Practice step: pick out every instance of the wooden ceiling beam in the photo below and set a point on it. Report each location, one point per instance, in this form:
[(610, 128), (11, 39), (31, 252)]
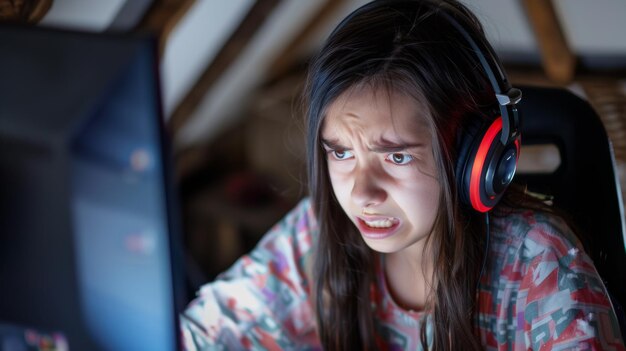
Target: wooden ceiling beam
[(288, 56), (229, 52), (559, 61), (24, 11), (162, 18)]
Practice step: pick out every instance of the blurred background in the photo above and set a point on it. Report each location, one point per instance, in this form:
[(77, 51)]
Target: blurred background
[(232, 73)]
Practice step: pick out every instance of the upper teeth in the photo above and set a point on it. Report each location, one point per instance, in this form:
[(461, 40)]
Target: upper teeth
[(380, 223)]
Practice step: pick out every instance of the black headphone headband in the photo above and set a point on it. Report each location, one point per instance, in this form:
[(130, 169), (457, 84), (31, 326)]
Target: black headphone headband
[(506, 95)]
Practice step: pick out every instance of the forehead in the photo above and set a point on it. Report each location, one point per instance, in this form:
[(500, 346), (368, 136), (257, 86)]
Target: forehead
[(376, 111)]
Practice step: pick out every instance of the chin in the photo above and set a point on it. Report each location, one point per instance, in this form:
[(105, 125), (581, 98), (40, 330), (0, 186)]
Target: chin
[(381, 247)]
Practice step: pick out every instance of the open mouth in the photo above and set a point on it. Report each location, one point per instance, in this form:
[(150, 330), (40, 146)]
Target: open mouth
[(380, 223), (379, 227)]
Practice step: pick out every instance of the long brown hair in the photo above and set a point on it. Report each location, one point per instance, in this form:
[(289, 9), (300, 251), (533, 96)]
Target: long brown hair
[(406, 46)]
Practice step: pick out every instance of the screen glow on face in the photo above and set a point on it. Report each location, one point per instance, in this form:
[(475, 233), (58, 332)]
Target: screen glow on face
[(381, 166)]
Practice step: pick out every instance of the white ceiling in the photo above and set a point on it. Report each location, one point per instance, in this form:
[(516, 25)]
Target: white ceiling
[(92, 15), (595, 31)]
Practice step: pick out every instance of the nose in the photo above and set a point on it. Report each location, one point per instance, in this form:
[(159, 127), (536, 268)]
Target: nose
[(367, 190)]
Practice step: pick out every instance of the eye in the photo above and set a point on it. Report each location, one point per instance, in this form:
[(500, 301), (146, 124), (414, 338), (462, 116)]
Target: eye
[(400, 158), (341, 154)]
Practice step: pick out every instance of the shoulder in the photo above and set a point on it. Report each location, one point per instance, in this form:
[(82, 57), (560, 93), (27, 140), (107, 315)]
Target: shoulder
[(289, 240), (296, 231), (529, 234), (299, 220), (531, 246), (542, 271)]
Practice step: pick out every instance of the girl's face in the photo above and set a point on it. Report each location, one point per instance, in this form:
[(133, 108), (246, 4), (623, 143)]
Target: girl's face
[(381, 166)]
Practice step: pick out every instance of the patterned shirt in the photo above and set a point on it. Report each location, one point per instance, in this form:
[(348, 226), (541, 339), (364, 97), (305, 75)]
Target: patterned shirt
[(539, 291)]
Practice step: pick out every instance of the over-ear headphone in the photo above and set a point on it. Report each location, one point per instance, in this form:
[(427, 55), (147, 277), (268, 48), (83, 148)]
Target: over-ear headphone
[(488, 155)]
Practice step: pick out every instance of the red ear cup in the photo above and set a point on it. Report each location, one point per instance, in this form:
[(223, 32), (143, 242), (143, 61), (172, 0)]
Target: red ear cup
[(486, 167)]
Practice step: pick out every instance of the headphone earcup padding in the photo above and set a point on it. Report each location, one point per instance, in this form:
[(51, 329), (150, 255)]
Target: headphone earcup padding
[(467, 145), (485, 163)]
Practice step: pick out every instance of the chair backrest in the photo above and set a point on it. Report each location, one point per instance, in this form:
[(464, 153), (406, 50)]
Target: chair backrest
[(585, 184)]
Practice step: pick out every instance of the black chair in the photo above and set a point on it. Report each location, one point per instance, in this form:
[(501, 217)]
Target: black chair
[(585, 184)]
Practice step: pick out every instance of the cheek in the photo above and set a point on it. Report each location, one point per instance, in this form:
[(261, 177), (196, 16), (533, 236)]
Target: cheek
[(340, 172), (406, 175), (340, 182), (340, 168), (420, 195)]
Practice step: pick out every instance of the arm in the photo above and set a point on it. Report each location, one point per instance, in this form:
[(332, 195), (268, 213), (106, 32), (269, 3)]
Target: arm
[(262, 301)]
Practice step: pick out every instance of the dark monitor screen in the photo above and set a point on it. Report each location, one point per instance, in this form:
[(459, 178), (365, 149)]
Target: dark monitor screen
[(89, 251)]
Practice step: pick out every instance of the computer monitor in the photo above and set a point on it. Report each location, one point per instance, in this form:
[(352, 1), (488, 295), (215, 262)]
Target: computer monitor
[(89, 241)]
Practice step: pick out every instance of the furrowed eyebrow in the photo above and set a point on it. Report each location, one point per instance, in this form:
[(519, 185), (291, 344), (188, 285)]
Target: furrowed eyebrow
[(383, 147), (386, 146), (333, 144)]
